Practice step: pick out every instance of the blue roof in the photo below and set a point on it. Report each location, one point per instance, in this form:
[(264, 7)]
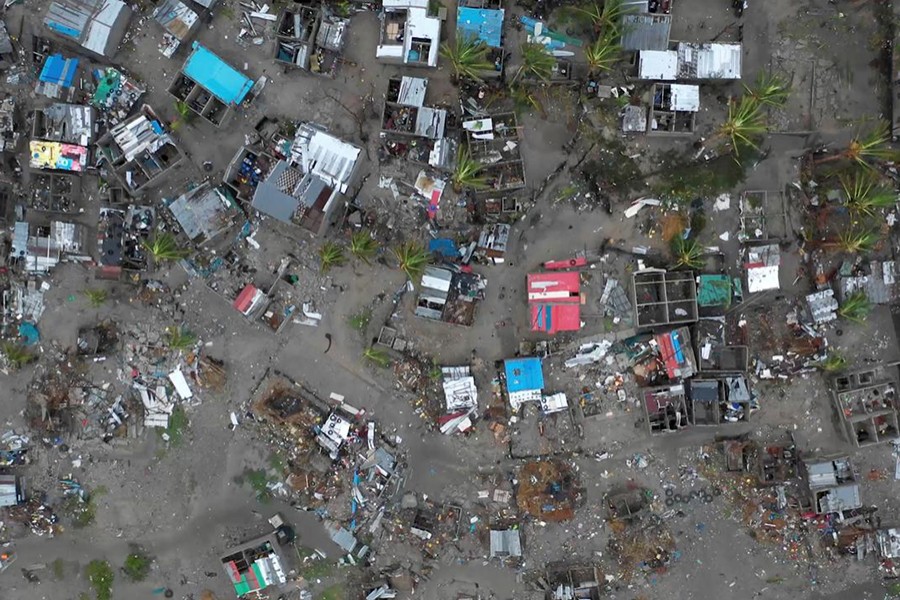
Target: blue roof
[(524, 374), (444, 246), (221, 79), (480, 23), (59, 70)]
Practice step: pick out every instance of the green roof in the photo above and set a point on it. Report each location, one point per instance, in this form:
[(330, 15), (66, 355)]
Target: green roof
[(242, 587), (714, 290)]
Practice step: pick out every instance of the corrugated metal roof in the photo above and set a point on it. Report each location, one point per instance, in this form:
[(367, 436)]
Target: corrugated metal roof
[(70, 123), (646, 32), (412, 91), (684, 98), (325, 156), (430, 122), (59, 70), (139, 134), (331, 33), (95, 24), (203, 212), (709, 61), (505, 543), (176, 18)]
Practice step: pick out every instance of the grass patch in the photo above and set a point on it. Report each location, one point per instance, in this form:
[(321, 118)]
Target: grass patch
[(258, 481), (101, 576), (137, 564), (277, 462), (335, 592), (178, 426), (359, 321), (317, 569), (58, 567)]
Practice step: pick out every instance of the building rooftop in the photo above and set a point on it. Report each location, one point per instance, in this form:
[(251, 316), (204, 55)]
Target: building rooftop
[(709, 61), (97, 25), (646, 31), (204, 212), (555, 301), (69, 123), (481, 24), (323, 155), (523, 374), (57, 156), (218, 77), (58, 70), (658, 64)]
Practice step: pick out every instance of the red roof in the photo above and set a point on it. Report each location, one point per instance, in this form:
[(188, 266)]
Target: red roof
[(554, 300), (245, 298)]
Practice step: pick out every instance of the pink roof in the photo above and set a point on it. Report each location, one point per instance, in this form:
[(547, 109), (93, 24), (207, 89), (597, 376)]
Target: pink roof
[(554, 300), (245, 298)]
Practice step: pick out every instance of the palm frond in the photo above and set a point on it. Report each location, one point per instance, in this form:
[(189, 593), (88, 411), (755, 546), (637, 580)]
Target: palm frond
[(603, 54), (874, 146), (858, 241), (331, 255), (377, 356), (686, 253), (770, 89), (745, 124), (164, 247), (467, 171), (363, 246), (179, 338), (467, 56), (536, 62), (17, 355), (833, 362), (413, 258), (96, 297), (524, 98), (856, 307), (863, 195)]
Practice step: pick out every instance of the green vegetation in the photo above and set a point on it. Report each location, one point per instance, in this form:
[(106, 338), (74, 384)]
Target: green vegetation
[(331, 254), (863, 195), (856, 241), (467, 171), (876, 146), (413, 258), (96, 297), (602, 19), (833, 362), (317, 568), (685, 181), (178, 426), (769, 90), (603, 53), (536, 62), (101, 576), (524, 99), (17, 355), (258, 480), (164, 248), (277, 463), (363, 246), (59, 569), (377, 356), (686, 253), (137, 564), (334, 592), (856, 307), (360, 321), (467, 57), (744, 125), (180, 339)]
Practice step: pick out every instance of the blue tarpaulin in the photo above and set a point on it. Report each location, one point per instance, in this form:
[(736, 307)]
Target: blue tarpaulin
[(482, 24), (218, 77), (59, 70), (523, 374), (30, 333), (444, 246)]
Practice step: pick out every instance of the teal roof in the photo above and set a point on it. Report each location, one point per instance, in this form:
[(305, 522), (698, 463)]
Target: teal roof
[(714, 290), (221, 79)]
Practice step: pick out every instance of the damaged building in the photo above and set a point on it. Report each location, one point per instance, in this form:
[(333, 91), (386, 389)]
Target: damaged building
[(413, 131), (449, 295), (409, 34), (140, 152), (205, 213), (97, 26), (311, 38), (208, 86)]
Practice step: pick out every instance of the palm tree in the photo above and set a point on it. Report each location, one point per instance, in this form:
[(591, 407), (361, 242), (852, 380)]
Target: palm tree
[(856, 241), (863, 195), (164, 247), (769, 90), (603, 18), (875, 146), (468, 57), (185, 114), (467, 172), (524, 99), (536, 62), (363, 246), (745, 123), (687, 253), (603, 54), (856, 307), (179, 338), (331, 254), (412, 257), (377, 356), (96, 297), (16, 355)]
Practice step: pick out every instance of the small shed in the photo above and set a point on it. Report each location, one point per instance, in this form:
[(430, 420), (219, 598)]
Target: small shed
[(524, 380)]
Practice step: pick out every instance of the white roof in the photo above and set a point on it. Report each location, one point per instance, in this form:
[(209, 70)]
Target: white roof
[(760, 279), (658, 64), (555, 403), (325, 156), (685, 98), (709, 61), (99, 28), (460, 393), (420, 25)]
